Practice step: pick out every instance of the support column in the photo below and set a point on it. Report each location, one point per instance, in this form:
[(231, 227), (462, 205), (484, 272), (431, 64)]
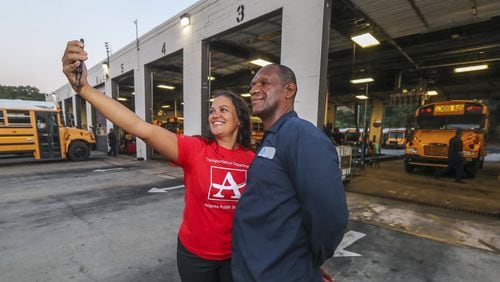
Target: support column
[(90, 117), (192, 78), (140, 109), (304, 48)]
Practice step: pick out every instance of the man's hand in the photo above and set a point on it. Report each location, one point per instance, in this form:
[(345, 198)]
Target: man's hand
[(326, 276), (73, 57)]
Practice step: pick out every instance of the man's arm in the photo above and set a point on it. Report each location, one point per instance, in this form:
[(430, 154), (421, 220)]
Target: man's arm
[(314, 170)]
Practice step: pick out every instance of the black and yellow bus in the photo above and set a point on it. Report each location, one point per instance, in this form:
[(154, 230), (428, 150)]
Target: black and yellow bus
[(436, 123), (35, 128)]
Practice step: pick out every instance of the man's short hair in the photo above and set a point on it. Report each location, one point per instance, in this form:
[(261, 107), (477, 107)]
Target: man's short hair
[(286, 74)]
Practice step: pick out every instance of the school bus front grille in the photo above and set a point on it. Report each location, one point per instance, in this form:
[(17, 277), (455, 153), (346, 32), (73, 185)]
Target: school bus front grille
[(436, 150)]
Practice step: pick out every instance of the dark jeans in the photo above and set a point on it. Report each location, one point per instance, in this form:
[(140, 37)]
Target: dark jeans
[(457, 165), (193, 268)]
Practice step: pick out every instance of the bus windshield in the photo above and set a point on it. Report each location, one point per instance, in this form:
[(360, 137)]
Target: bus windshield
[(396, 135), (450, 122)]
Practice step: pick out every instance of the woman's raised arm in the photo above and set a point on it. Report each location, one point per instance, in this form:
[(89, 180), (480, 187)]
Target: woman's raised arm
[(162, 140)]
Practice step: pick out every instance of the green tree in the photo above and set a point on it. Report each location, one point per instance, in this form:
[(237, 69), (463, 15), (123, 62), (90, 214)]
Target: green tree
[(21, 92)]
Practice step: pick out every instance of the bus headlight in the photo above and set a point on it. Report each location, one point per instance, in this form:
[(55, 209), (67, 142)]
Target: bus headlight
[(469, 154), (411, 151)]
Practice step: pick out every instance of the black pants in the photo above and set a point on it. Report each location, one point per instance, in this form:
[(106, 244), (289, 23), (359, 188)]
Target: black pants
[(193, 268), (457, 165)]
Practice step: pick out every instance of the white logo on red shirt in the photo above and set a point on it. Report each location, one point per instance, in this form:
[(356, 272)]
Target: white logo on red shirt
[(226, 183)]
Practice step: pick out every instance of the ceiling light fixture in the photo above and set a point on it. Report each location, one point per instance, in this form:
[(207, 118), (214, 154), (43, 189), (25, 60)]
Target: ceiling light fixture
[(365, 40), (260, 62), (431, 93), (471, 68), (211, 78), (362, 80), (165, 106), (185, 21), (121, 99), (245, 95), (361, 97), (163, 86)]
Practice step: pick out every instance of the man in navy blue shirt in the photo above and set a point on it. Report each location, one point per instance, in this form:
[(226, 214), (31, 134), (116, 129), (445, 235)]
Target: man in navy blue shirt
[(293, 213)]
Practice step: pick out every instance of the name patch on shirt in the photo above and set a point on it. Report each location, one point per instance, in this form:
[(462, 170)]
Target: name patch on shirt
[(267, 152)]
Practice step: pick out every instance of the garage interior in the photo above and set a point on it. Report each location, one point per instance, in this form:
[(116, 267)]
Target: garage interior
[(421, 43)]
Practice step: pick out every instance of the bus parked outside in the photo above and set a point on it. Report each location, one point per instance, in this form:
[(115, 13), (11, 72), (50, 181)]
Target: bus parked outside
[(396, 138), (436, 123), (34, 128)]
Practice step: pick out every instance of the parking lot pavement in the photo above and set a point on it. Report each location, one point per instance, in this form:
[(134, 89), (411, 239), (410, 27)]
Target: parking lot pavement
[(99, 221)]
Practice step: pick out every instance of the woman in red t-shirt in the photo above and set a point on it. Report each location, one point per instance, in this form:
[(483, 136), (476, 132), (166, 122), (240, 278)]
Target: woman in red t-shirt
[(215, 170)]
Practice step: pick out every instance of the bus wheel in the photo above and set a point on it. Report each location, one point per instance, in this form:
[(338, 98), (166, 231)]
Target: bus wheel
[(78, 151)]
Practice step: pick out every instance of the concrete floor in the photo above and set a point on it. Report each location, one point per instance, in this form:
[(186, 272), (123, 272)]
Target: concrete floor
[(96, 221), (479, 195)]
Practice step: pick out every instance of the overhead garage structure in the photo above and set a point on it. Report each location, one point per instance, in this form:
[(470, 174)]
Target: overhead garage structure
[(421, 43)]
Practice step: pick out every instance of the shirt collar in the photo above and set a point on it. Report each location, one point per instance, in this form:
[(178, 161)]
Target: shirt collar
[(277, 125)]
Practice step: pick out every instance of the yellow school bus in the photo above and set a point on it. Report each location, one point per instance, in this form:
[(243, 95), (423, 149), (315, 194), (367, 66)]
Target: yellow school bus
[(34, 128), (396, 138), (436, 123), (257, 132)]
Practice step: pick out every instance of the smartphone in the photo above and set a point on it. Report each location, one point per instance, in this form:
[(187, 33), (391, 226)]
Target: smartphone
[(79, 70)]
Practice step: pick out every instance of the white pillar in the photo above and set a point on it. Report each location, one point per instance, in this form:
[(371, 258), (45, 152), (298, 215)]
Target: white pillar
[(140, 108), (192, 85), (301, 47), (88, 108), (108, 89)]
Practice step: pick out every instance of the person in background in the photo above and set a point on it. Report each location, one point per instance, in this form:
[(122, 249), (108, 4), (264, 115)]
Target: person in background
[(215, 170), (294, 212), (328, 130), (338, 137), (455, 158), (112, 143)]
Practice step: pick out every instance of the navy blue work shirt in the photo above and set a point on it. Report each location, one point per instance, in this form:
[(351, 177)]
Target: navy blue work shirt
[(293, 213), (455, 147)]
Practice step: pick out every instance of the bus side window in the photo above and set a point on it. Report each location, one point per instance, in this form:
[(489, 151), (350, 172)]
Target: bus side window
[(2, 118), (19, 118)]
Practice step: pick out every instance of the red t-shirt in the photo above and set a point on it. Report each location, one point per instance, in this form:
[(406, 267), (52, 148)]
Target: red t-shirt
[(214, 178)]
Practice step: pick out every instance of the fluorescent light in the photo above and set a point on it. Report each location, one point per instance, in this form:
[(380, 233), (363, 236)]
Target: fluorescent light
[(211, 78), (432, 93), (260, 62), (365, 40), (185, 20), (121, 99), (133, 93), (245, 95), (471, 68), (211, 100), (163, 86), (362, 80), (361, 97), (165, 106)]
